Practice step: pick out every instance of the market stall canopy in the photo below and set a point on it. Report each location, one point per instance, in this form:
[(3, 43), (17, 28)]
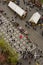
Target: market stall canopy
[(35, 18), (16, 9)]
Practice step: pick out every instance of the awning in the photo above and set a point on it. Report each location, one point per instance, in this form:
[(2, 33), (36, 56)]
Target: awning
[(35, 18)]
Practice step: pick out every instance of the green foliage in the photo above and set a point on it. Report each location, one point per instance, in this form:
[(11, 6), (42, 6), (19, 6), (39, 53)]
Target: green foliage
[(42, 1), (10, 54)]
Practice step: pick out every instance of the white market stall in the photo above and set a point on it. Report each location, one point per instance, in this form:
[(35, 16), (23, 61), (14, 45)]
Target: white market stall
[(17, 9), (35, 18)]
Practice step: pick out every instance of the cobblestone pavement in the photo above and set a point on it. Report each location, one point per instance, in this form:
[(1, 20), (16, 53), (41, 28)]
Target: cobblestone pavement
[(11, 34), (35, 35)]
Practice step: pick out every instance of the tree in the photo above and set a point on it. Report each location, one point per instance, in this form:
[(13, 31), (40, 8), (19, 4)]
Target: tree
[(9, 53)]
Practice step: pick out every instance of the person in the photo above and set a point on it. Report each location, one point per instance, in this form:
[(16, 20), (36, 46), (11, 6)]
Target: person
[(15, 16), (29, 62), (11, 36), (0, 1), (5, 13), (1, 23), (20, 52), (24, 1), (13, 30), (42, 33), (34, 27), (19, 45), (20, 63), (7, 17), (17, 63), (24, 53), (37, 63), (29, 9), (41, 26)]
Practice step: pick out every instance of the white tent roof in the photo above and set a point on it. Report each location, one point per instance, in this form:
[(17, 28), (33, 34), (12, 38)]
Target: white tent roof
[(35, 18), (16, 8)]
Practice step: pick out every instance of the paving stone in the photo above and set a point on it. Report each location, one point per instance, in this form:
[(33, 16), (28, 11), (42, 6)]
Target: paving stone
[(19, 44)]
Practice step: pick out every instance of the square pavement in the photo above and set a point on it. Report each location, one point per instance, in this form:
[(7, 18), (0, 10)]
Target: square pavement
[(18, 44)]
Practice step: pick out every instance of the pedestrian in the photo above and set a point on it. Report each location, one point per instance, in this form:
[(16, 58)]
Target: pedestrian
[(26, 10), (20, 63), (24, 1), (31, 46), (17, 63), (29, 9), (19, 45), (42, 33), (7, 31), (16, 16), (12, 19), (24, 52), (0, 1), (11, 36), (20, 52), (37, 63), (41, 26), (13, 30), (29, 62), (1, 23)]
